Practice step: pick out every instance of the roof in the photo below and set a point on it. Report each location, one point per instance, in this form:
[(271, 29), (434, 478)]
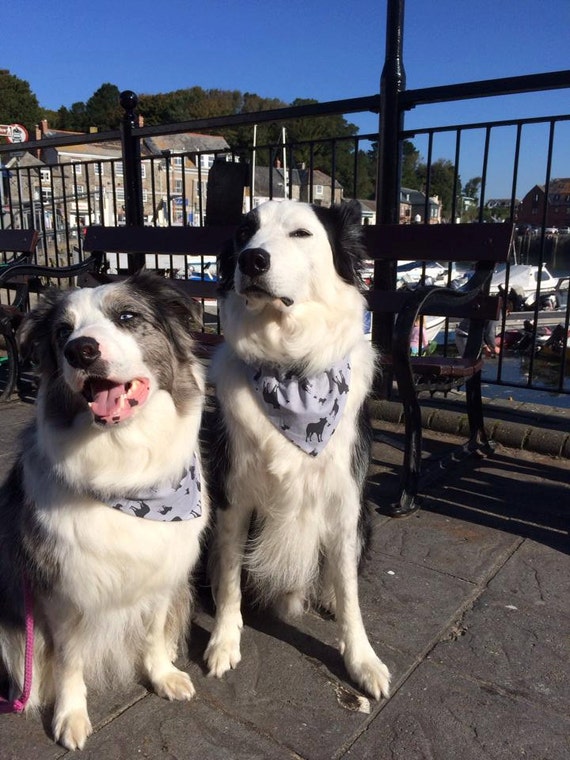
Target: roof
[(500, 202), (559, 187), (366, 205), (415, 197), (92, 150), (278, 190), (187, 142), (26, 159), (319, 178)]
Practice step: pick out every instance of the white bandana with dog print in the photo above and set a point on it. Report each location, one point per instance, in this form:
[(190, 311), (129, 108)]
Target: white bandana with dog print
[(306, 410), (167, 504)]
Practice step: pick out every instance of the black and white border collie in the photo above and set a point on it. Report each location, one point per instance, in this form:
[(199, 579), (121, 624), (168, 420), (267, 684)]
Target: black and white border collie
[(103, 512), (293, 451)]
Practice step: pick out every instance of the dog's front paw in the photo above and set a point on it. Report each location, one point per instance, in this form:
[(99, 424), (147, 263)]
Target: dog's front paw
[(175, 684), (223, 653), (369, 672), (72, 729)]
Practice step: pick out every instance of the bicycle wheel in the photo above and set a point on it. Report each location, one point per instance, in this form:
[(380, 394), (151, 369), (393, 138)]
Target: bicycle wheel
[(8, 364)]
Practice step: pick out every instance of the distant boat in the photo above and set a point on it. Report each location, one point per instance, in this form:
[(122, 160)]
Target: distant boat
[(206, 272), (412, 272), (524, 278)]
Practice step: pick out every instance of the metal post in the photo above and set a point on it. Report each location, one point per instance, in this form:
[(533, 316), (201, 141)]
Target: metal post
[(391, 122), (134, 211)]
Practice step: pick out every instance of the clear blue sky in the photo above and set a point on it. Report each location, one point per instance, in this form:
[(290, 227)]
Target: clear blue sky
[(291, 49)]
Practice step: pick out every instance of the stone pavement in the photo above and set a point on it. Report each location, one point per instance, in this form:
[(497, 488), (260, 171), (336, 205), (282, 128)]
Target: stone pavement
[(466, 601)]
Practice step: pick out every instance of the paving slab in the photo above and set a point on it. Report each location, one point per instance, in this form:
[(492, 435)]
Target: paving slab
[(154, 728), (518, 650), (438, 715), (536, 576), (459, 548)]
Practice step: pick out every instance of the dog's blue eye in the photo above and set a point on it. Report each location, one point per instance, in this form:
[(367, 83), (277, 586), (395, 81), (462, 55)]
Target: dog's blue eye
[(126, 316), (301, 233)]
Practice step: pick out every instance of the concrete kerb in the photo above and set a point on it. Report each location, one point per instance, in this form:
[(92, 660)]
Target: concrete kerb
[(529, 435)]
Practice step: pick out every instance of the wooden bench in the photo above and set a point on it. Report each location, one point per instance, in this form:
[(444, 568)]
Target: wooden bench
[(396, 311)]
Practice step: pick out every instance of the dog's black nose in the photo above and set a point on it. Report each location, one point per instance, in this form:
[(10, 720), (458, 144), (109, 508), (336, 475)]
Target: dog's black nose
[(254, 261), (82, 352)]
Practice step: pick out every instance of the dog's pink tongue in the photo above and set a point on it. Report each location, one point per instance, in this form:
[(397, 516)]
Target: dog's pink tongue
[(115, 402)]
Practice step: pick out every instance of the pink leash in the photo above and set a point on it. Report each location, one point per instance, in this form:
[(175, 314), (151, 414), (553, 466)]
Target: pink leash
[(19, 705)]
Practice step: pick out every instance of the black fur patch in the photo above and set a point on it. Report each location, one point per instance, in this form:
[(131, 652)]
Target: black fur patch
[(344, 229), (217, 455), (227, 259)]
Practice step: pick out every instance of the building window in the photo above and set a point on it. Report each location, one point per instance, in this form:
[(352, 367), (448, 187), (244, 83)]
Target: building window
[(319, 190), (99, 169), (46, 195), (45, 176), (177, 161), (120, 193), (178, 187), (206, 160), (119, 168)]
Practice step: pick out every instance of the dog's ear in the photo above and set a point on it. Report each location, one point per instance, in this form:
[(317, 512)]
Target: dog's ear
[(351, 211), (343, 223), (34, 334)]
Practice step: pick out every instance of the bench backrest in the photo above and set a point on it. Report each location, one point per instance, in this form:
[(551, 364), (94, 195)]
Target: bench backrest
[(439, 242), (18, 241), (170, 241), (485, 244)]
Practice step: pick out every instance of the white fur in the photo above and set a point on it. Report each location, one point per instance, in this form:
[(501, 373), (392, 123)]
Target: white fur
[(307, 508), (121, 602)]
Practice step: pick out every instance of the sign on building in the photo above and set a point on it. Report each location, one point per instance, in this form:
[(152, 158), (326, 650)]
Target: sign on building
[(14, 133)]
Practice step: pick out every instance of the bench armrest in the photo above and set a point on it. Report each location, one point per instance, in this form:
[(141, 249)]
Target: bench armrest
[(442, 301)]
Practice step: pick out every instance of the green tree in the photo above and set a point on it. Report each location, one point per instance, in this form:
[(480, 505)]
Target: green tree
[(412, 177), (471, 189), (73, 119), (18, 104), (103, 109)]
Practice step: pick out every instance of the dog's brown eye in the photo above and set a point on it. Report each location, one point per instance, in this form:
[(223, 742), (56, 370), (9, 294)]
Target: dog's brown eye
[(300, 233), (63, 332)]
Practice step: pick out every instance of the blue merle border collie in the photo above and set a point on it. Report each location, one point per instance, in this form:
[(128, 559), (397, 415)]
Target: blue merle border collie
[(103, 512), (292, 380)]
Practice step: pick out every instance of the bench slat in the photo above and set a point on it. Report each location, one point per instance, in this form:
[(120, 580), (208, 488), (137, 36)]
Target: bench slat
[(18, 241), (439, 242), (195, 241)]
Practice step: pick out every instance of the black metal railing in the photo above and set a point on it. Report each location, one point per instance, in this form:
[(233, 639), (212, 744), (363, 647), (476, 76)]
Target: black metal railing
[(123, 182)]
